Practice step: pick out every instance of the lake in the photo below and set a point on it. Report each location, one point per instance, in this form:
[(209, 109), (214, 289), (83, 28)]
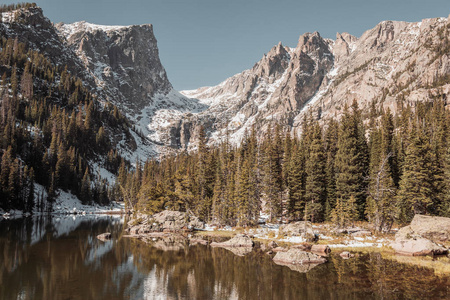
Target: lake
[(61, 258)]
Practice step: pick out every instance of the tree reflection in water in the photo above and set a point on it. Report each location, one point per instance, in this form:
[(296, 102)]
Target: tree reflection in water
[(46, 258)]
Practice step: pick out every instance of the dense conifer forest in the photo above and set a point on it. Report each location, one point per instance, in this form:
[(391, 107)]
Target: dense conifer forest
[(50, 126), (383, 170)]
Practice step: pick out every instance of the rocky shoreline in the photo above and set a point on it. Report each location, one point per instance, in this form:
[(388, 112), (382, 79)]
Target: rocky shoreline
[(302, 247)]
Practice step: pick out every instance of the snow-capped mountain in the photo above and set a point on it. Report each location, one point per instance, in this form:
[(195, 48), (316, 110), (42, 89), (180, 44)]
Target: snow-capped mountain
[(124, 62), (275, 89), (391, 63)]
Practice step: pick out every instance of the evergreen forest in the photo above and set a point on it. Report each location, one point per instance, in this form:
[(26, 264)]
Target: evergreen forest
[(376, 166), (51, 126)]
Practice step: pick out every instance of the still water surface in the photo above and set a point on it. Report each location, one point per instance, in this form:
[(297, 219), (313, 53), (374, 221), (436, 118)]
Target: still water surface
[(60, 258)]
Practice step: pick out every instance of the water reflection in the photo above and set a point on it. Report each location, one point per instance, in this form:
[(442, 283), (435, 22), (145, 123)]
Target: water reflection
[(50, 258)]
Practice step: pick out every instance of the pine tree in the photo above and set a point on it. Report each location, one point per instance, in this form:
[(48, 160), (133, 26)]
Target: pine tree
[(444, 208), (315, 187), (331, 139), (85, 193), (345, 212), (382, 209), (415, 191), (273, 180), (351, 158)]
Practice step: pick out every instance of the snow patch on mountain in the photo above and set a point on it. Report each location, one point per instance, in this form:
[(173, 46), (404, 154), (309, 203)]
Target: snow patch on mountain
[(71, 29)]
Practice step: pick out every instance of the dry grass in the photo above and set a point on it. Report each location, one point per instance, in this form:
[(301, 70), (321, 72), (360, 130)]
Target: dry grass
[(440, 264), (218, 233)]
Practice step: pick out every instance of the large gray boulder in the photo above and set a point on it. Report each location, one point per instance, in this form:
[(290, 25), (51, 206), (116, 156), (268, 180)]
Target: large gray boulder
[(301, 228), (422, 236), (436, 229), (240, 245), (240, 240), (165, 221), (298, 260)]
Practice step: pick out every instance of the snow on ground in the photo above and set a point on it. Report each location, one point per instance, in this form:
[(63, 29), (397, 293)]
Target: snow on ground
[(65, 203), (102, 173)]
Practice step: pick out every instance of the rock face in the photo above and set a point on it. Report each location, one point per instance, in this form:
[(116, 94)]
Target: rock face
[(166, 221), (124, 59), (30, 26), (273, 90), (124, 62), (301, 228), (298, 260), (421, 237)]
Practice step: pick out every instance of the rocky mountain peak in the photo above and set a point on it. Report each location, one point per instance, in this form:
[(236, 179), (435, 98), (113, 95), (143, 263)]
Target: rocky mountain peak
[(309, 42), (123, 58)]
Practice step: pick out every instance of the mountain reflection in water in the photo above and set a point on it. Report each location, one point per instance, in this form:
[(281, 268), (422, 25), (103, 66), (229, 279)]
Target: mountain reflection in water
[(61, 258)]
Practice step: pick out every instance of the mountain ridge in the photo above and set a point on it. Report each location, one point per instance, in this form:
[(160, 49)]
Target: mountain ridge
[(353, 60)]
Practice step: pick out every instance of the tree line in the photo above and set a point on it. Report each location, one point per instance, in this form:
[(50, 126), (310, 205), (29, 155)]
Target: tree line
[(384, 170)]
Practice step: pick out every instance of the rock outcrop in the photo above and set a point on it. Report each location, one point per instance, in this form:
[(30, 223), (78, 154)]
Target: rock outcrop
[(165, 221), (298, 260), (240, 245), (240, 240), (436, 229), (122, 59), (300, 228), (422, 236)]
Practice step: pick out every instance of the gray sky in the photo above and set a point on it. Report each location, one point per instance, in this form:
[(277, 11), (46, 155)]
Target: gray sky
[(202, 42)]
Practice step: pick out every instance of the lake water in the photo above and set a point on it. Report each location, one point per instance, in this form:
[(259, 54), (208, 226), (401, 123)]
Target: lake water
[(60, 258)]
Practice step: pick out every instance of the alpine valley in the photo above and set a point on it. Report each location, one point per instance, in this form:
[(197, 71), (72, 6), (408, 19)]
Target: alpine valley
[(80, 102)]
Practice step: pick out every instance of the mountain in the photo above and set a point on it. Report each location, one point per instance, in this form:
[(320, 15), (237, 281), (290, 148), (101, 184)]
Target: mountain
[(78, 102), (119, 64), (124, 63), (391, 63)]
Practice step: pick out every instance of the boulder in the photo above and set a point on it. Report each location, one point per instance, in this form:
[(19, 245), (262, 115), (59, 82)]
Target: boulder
[(421, 236), (320, 249), (436, 229), (417, 246), (301, 228), (298, 257), (279, 249), (165, 221), (240, 240), (303, 246), (104, 236)]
